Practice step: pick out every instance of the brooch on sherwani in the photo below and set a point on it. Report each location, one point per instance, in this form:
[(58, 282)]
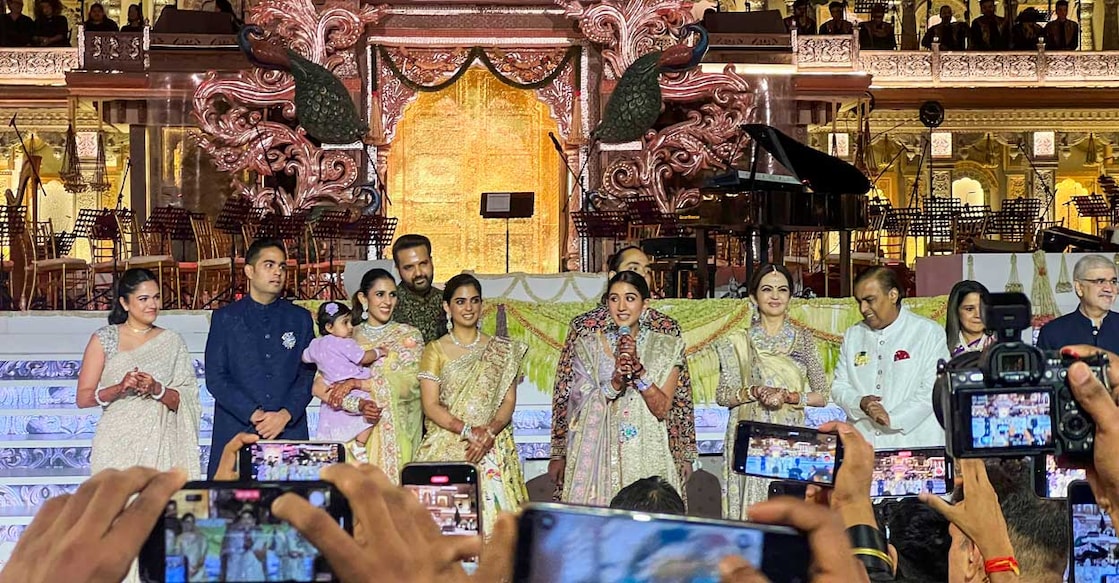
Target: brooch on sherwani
[(289, 340)]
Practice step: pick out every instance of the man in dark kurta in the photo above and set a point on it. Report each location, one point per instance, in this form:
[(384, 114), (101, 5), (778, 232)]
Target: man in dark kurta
[(681, 417), (418, 303), (254, 366)]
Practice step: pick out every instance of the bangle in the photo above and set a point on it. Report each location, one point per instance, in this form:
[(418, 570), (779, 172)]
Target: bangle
[(465, 433), (490, 433), (869, 547), (351, 404), (1001, 565), (641, 385), (162, 391), (97, 397)]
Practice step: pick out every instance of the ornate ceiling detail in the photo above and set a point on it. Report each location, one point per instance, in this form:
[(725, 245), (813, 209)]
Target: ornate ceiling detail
[(627, 29)]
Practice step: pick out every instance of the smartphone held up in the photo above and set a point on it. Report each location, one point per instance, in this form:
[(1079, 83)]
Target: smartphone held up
[(787, 453)]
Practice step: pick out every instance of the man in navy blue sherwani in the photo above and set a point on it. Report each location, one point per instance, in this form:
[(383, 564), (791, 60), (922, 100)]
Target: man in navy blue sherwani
[(254, 366)]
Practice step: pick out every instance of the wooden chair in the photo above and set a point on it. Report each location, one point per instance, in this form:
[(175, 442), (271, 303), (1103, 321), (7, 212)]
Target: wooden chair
[(213, 270), (940, 215), (154, 255), (323, 274), (49, 276)]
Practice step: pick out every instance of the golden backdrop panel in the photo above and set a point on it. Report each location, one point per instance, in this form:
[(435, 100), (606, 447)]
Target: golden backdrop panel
[(479, 135)]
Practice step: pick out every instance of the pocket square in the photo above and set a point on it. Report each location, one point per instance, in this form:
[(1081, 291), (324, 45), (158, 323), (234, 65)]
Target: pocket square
[(901, 355)]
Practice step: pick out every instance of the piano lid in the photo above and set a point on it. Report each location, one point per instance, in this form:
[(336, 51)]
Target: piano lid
[(819, 171)]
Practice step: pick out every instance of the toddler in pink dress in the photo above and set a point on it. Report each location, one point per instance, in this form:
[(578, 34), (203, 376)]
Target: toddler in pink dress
[(340, 358)]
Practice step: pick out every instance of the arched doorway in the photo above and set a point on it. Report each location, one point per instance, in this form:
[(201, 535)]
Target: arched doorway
[(479, 135)]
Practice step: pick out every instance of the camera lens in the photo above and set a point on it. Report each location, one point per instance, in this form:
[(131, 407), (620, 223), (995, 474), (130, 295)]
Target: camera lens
[(547, 522)]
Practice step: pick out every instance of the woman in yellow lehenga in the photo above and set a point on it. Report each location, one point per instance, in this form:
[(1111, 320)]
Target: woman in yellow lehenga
[(393, 406), (768, 373), (622, 388), (468, 382)]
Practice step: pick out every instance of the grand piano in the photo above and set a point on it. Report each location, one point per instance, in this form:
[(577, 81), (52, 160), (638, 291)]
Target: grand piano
[(823, 194)]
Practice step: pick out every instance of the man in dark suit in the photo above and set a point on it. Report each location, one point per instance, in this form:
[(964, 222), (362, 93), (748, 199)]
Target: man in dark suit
[(254, 365), (1062, 34)]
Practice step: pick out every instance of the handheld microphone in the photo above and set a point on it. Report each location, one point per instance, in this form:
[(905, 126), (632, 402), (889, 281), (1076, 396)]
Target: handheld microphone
[(556, 143), (626, 377)]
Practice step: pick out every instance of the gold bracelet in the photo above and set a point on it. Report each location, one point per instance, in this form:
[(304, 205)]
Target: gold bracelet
[(873, 553)]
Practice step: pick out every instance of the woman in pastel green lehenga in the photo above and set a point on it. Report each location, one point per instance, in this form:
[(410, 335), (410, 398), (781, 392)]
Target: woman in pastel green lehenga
[(622, 389), (468, 382), (767, 373), (394, 404)]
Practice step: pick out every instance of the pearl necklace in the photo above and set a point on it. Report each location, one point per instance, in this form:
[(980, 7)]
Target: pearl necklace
[(477, 337)]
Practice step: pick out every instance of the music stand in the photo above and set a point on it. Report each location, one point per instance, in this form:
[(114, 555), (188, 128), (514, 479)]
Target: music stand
[(234, 213), (329, 226), (644, 210), (12, 219), (372, 231), (507, 205), (1092, 206), (172, 223), (285, 228), (100, 225), (600, 224)]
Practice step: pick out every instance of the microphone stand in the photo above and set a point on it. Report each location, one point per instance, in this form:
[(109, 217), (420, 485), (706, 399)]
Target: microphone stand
[(34, 171), (917, 176), (583, 192), (1050, 194)]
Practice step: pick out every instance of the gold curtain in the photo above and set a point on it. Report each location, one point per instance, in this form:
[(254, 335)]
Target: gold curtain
[(479, 135)]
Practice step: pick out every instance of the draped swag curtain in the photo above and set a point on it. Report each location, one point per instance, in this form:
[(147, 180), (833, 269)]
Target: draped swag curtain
[(522, 68)]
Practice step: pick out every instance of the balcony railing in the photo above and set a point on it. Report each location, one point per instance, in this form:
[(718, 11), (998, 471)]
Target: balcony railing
[(36, 66), (971, 68)]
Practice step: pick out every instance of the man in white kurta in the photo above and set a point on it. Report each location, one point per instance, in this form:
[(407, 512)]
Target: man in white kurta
[(887, 366)]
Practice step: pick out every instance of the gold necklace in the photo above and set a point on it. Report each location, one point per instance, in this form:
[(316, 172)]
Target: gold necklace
[(140, 332)]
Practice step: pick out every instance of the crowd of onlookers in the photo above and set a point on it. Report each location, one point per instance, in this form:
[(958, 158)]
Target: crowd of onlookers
[(1020, 31), (50, 28)]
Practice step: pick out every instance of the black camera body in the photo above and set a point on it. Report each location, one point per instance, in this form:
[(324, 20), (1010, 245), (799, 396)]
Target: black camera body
[(1013, 399)]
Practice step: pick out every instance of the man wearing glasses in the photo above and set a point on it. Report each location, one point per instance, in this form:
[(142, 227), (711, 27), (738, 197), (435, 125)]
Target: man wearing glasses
[(1093, 322)]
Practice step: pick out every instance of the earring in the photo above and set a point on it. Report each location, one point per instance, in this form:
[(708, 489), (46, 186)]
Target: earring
[(364, 311), (450, 326)]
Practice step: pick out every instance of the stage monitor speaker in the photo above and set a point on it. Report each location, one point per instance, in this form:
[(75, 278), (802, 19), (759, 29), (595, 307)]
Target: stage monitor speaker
[(1058, 239)]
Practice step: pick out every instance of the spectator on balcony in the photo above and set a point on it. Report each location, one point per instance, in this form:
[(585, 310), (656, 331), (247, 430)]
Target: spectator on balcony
[(877, 34), (952, 36), (16, 28), (801, 19), (135, 19), (51, 28), (225, 7), (1062, 34), (989, 32), (1026, 31), (98, 21), (838, 25)]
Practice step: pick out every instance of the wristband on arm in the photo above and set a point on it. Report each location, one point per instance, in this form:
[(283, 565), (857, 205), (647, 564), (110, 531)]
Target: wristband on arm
[(869, 546)]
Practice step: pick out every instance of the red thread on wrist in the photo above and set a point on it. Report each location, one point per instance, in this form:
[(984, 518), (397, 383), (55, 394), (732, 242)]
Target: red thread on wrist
[(1001, 565)]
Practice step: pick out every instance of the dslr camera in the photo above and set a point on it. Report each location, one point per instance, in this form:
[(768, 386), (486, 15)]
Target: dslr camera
[(1013, 399)]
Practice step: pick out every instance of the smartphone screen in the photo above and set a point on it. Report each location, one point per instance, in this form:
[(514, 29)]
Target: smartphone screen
[(559, 544), (222, 531), (1093, 538), (449, 491), (908, 472), (1012, 419), (288, 461), (1053, 482), (786, 453)]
